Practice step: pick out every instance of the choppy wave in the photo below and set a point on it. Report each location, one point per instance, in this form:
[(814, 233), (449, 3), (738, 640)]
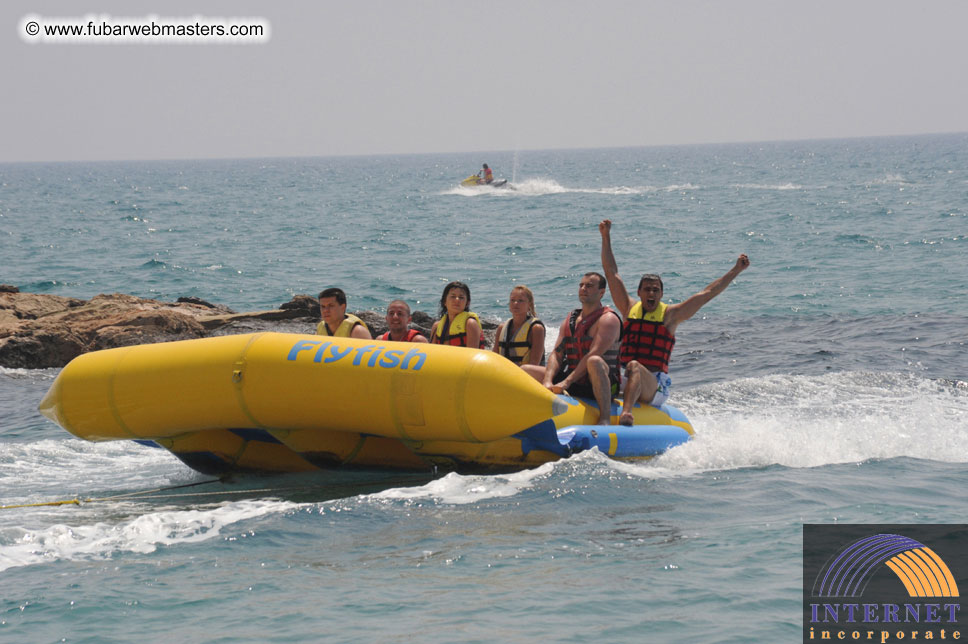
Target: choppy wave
[(811, 421), (458, 489), (762, 186), (888, 179), (17, 373), (40, 471), (140, 534)]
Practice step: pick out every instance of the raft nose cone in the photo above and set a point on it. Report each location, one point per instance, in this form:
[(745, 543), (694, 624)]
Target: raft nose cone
[(558, 406), (50, 406)]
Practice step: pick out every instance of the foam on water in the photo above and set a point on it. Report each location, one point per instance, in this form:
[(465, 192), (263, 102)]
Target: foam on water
[(760, 186), (142, 533), (888, 179), (31, 374), (526, 187), (32, 472), (456, 489), (810, 421), (537, 187)]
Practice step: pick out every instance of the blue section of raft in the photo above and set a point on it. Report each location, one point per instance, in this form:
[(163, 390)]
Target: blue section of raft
[(619, 441)]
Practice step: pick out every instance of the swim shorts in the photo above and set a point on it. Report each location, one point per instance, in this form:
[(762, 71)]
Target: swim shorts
[(662, 393)]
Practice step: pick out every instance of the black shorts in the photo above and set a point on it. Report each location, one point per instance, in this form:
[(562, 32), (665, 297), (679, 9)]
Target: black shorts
[(583, 388)]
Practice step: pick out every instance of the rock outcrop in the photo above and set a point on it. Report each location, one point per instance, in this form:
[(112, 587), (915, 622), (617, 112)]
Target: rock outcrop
[(40, 331)]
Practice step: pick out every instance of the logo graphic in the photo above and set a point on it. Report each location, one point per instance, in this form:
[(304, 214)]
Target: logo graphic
[(883, 583), (919, 568)]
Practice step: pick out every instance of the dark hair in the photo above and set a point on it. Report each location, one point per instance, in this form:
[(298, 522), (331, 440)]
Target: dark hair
[(399, 302), (334, 292), (601, 278), (485, 166), (447, 289), (651, 277)]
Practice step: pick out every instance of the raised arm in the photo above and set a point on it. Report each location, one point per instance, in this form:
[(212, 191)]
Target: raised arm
[(615, 284), (682, 311)]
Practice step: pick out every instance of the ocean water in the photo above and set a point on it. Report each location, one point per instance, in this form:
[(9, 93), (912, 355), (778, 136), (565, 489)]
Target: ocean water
[(829, 383)]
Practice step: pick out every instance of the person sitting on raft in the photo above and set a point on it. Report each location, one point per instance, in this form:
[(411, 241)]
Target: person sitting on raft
[(457, 325), (521, 339), (649, 332), (585, 360), (335, 320), (398, 324)]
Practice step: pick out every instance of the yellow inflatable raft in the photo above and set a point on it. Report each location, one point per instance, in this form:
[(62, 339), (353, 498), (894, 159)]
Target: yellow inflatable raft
[(281, 402)]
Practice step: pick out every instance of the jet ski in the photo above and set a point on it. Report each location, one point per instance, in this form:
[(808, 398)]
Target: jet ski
[(475, 181)]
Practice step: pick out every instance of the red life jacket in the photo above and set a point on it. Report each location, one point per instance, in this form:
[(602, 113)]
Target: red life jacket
[(454, 332), (577, 343), (646, 339), (411, 334)]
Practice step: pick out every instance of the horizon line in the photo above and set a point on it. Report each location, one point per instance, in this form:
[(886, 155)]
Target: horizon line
[(494, 151)]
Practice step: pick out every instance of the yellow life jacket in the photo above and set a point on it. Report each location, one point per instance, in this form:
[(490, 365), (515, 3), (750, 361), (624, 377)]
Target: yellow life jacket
[(518, 348), (455, 333), (658, 315), (344, 329)]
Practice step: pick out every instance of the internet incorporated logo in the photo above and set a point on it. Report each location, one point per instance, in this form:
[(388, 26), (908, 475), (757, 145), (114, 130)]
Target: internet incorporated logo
[(907, 586), (922, 572)]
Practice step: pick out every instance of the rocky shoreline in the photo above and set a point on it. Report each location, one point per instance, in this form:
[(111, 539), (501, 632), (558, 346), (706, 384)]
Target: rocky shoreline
[(39, 331)]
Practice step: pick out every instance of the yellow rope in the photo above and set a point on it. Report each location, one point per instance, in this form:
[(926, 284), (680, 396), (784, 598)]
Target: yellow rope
[(105, 498), (37, 505)]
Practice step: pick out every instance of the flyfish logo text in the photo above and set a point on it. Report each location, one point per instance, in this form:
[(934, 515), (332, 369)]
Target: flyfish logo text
[(909, 591), (370, 355)]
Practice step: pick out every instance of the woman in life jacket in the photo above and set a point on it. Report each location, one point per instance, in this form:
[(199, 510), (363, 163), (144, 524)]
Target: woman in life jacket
[(457, 326), (521, 339)]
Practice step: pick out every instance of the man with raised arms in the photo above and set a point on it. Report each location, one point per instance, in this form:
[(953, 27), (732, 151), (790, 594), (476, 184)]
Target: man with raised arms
[(335, 320), (585, 360), (649, 331), (398, 323)]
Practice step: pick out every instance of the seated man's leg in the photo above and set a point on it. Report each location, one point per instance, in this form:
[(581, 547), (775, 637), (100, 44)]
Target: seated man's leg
[(640, 386), (598, 376)]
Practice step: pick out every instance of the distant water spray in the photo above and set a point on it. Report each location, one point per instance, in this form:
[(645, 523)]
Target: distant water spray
[(514, 167), (537, 186)]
